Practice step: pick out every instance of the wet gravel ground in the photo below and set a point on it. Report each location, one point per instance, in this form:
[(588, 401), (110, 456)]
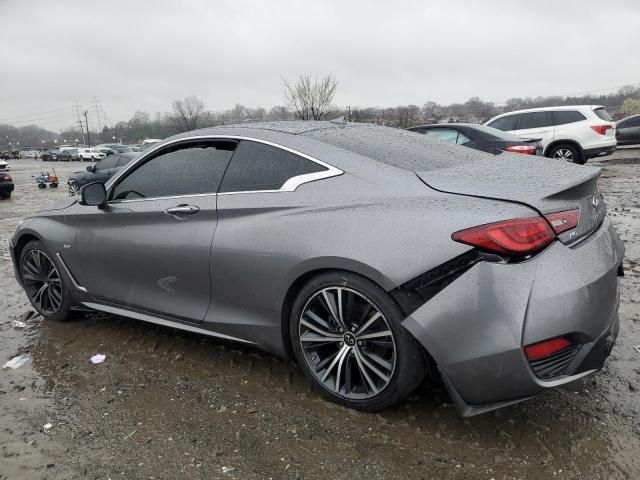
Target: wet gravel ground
[(172, 405)]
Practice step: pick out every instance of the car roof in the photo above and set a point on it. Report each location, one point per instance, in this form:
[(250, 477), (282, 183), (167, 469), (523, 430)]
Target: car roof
[(343, 144), (550, 109)]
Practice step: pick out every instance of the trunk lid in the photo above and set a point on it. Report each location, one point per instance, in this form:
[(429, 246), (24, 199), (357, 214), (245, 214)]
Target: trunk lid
[(545, 185)]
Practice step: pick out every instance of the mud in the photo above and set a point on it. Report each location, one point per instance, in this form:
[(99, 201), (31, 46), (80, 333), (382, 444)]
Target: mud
[(167, 404)]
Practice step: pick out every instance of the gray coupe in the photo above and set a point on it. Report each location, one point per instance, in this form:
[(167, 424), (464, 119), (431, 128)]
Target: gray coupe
[(370, 255)]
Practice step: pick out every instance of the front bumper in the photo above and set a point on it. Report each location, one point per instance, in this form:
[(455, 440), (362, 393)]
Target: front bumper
[(475, 328)]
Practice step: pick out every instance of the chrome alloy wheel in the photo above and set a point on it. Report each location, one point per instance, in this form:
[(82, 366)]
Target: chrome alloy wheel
[(347, 343), (74, 189), (563, 154), (42, 282)]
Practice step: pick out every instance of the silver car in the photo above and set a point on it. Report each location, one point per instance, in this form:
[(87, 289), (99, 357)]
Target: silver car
[(370, 255)]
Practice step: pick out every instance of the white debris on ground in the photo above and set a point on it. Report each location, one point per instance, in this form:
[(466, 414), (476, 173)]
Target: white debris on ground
[(98, 358), (16, 362)]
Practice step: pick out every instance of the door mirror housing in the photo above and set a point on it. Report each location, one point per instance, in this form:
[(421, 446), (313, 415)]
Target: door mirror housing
[(94, 194), (91, 168)]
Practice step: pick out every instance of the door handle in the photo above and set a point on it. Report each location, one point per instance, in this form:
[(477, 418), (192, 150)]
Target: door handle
[(180, 210)]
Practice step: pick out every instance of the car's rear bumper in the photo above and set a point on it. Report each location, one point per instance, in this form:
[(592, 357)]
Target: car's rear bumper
[(476, 327), (599, 152)]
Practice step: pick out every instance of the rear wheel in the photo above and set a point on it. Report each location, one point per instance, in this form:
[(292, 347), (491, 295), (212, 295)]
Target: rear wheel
[(347, 338), (43, 283), (566, 152)]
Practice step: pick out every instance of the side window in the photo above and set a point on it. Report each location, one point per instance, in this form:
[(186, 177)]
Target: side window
[(123, 160), (535, 120), (181, 170), (632, 122), (448, 135), (505, 123), (563, 117), (256, 166), (106, 163)]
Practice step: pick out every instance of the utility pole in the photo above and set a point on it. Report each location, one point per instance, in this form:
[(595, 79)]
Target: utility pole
[(87, 124), (77, 108)]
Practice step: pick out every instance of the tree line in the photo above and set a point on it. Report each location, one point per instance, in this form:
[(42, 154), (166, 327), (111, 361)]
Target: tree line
[(307, 99)]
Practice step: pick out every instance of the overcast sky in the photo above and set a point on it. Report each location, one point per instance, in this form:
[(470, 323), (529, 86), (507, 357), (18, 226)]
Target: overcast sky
[(141, 55)]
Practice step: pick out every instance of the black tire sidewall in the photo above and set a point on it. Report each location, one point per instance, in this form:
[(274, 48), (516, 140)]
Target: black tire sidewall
[(65, 309), (410, 366)]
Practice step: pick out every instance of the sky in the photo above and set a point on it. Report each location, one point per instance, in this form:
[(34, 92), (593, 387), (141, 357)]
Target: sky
[(141, 55)]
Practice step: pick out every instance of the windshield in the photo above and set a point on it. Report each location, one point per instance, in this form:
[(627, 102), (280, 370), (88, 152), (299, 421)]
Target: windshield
[(602, 114)]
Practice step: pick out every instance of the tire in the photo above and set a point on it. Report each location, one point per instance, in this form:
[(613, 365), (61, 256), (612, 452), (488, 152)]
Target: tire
[(5, 195), (366, 310), (56, 305), (566, 152), (41, 186)]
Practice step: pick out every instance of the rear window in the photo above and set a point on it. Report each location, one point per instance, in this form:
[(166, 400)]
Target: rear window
[(505, 123), (562, 117), (602, 114), (399, 148)]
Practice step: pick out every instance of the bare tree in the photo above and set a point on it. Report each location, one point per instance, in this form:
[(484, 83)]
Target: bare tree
[(187, 112), (310, 99)]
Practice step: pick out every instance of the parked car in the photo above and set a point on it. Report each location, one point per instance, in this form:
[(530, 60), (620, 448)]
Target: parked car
[(148, 143), (50, 155), (69, 155), (370, 254), (100, 172), (480, 137), (116, 147), (90, 154), (571, 133), (6, 185), (4, 166), (5, 155), (628, 130)]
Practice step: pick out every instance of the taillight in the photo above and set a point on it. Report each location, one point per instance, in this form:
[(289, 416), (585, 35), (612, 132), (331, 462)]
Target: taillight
[(519, 236), (524, 149), (546, 348), (563, 221), (601, 129), (7, 176)]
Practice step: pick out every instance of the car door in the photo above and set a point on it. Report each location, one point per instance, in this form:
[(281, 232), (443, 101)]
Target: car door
[(149, 248), (536, 125), (105, 168), (629, 131)]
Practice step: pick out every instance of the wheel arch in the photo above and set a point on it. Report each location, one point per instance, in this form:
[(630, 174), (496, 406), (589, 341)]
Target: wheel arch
[(313, 268), (21, 242)]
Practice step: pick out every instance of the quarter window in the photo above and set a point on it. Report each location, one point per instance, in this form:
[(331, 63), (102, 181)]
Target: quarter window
[(535, 120), (562, 117), (256, 166), (181, 170), (448, 135), (505, 124)]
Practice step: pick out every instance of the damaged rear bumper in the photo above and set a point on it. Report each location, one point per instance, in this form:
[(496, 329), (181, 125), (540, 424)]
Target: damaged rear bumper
[(476, 327)]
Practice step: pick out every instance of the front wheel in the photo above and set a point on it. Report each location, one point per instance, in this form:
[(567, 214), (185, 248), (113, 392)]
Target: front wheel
[(43, 283), (566, 153), (347, 338)]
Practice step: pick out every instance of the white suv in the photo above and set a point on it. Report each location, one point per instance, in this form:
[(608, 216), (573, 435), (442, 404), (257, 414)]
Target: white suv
[(90, 154), (573, 133)]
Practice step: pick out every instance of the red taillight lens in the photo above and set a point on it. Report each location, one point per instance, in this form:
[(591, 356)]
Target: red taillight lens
[(519, 236), (7, 176), (524, 149), (601, 129), (546, 348), (563, 221)]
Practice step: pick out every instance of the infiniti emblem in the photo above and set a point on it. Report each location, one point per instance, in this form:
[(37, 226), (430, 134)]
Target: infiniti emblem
[(595, 201), (349, 339)]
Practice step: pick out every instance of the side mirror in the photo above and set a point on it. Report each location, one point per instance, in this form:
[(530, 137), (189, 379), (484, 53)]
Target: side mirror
[(94, 194), (91, 168)]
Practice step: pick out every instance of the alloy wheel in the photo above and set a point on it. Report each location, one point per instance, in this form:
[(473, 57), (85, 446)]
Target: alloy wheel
[(42, 282), (74, 188), (563, 154), (347, 343)]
